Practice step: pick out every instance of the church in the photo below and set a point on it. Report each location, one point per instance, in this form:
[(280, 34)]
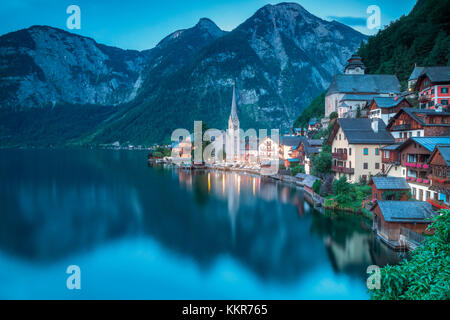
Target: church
[(354, 89)]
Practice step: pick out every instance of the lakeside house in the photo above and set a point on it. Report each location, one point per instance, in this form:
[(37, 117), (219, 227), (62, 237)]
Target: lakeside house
[(433, 85), (386, 108), (289, 149), (414, 162), (392, 219), (356, 147), (306, 149), (354, 89), (390, 188), (412, 122), (413, 78), (439, 175)]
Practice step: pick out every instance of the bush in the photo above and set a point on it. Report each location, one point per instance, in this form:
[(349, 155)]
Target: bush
[(427, 275), (296, 169), (316, 186)]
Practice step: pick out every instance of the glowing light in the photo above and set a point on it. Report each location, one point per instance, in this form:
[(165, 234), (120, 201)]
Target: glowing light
[(209, 182)]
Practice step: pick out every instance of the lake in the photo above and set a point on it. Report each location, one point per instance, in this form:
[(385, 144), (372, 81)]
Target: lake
[(140, 232)]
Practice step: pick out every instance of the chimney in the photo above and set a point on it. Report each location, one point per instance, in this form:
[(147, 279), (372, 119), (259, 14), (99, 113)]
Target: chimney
[(375, 125)]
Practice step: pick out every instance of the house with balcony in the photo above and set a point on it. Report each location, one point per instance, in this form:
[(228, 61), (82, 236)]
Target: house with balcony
[(411, 122), (307, 149), (433, 85), (289, 148), (385, 108), (415, 154), (390, 161), (356, 147), (439, 175)]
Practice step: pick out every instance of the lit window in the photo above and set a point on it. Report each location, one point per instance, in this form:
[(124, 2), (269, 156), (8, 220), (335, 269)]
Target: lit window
[(366, 151)]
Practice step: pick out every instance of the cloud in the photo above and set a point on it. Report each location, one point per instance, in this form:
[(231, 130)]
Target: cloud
[(350, 21)]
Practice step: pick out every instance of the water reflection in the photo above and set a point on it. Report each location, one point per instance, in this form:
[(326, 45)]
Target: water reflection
[(57, 204)]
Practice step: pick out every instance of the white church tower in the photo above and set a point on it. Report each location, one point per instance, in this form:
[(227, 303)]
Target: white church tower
[(233, 144)]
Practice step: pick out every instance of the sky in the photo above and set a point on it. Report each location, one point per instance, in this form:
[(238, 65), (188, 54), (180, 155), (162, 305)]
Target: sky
[(141, 24)]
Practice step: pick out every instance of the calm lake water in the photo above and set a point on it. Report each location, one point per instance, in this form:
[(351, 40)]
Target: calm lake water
[(139, 232)]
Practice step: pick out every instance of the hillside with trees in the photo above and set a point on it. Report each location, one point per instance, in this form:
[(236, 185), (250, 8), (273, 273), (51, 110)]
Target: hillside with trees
[(421, 38)]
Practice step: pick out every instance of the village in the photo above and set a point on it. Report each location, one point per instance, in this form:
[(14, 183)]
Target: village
[(378, 151)]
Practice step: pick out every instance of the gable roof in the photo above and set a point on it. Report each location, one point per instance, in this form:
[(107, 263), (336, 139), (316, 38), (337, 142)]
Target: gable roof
[(430, 143), (436, 74), (291, 141), (359, 131), (390, 183), (309, 181), (406, 211), (388, 102), (416, 73), (413, 113), (444, 150), (364, 83), (358, 97), (391, 147)]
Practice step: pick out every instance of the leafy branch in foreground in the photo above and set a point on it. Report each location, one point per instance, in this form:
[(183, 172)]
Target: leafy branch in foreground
[(427, 275)]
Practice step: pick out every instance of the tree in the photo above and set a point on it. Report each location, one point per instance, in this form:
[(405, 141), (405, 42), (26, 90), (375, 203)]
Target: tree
[(316, 186), (334, 115), (321, 163)]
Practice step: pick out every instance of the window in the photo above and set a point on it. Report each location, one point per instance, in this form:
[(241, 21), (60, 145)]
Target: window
[(366, 151), (377, 166), (432, 91), (418, 133), (444, 102), (387, 154), (339, 136), (377, 151), (444, 90), (366, 165), (350, 151), (431, 104)]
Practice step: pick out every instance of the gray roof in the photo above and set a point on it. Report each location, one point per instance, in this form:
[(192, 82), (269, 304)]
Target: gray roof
[(391, 147), (359, 131), (445, 153), (292, 141), (309, 181), (358, 97), (416, 73), (301, 176), (390, 183), (387, 102), (406, 211), (427, 112), (364, 83), (315, 142), (437, 74), (430, 143)]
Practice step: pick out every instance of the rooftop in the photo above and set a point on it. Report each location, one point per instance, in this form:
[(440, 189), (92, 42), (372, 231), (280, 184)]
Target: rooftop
[(364, 83), (437, 74), (359, 131), (291, 141), (416, 73), (390, 183), (387, 102), (406, 211), (430, 143)]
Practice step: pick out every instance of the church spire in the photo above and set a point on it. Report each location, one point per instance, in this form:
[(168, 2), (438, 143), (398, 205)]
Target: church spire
[(233, 104)]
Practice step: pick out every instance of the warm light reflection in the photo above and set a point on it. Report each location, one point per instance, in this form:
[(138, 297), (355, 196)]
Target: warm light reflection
[(209, 182), (239, 184), (223, 183), (254, 186)]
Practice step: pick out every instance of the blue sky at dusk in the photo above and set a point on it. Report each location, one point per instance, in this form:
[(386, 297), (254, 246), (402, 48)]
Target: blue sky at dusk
[(141, 24)]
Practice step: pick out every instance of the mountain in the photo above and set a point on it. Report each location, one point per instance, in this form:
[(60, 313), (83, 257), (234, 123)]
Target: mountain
[(422, 38), (42, 66), (280, 58)]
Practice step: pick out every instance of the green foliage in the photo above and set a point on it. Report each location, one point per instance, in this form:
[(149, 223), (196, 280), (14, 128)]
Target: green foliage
[(427, 275), (333, 115), (296, 169), (316, 109), (321, 163), (317, 185), (421, 37), (396, 195)]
